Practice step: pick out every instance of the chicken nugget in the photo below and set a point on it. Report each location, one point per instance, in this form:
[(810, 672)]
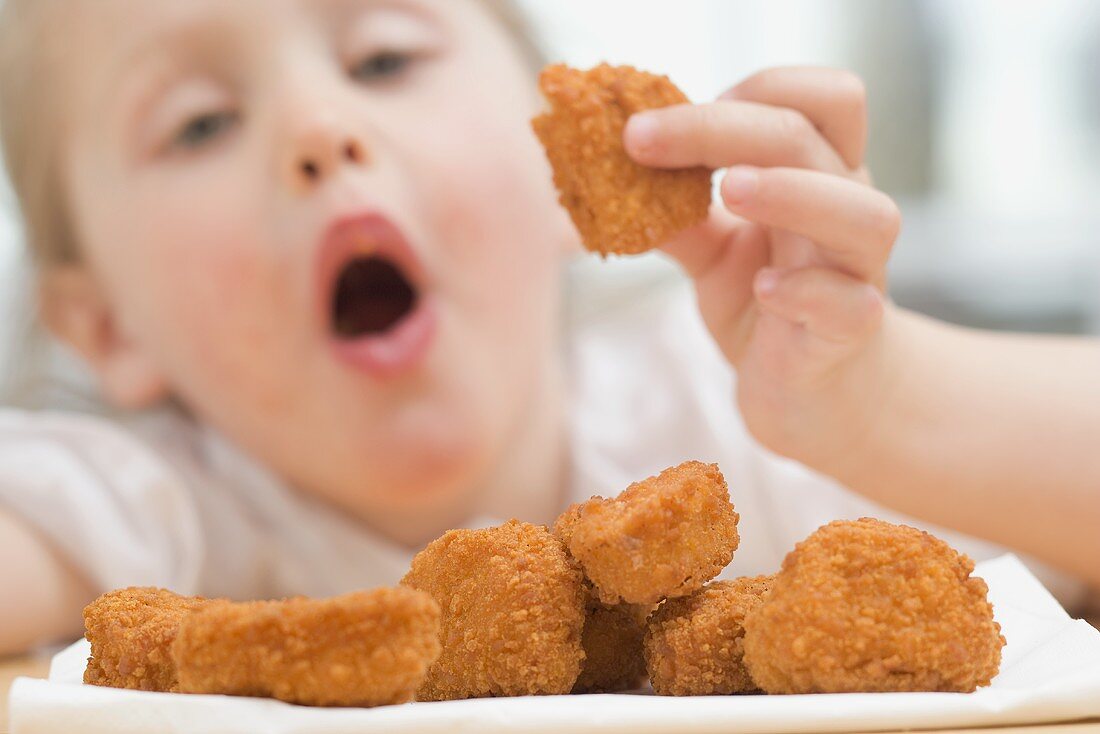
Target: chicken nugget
[(612, 636), (131, 633), (870, 606), (662, 537), (367, 648), (617, 205), (513, 609), (694, 645), (612, 641), (567, 521)]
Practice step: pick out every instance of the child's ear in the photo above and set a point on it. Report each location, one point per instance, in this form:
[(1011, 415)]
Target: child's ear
[(78, 314)]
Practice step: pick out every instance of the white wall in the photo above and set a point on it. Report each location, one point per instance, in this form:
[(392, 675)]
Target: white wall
[(703, 45)]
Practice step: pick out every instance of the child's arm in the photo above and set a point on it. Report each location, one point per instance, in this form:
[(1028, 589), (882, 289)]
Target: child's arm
[(996, 435), (790, 272), (40, 597)]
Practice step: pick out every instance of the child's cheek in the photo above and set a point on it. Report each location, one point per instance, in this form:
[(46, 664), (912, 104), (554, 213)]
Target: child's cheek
[(499, 180), (218, 305), (497, 210)]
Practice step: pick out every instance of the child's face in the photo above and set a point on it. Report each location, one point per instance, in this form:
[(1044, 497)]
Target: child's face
[(328, 225)]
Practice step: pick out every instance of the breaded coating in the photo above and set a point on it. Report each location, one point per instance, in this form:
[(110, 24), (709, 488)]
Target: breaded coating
[(617, 205), (368, 648), (662, 537), (567, 521), (131, 633), (612, 640), (612, 636), (870, 606), (513, 609), (694, 645)]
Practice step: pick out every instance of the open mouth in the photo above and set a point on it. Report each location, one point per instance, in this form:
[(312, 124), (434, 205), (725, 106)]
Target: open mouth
[(372, 296)]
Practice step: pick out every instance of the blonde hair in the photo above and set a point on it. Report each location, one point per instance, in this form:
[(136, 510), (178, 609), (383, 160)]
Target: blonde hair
[(30, 128)]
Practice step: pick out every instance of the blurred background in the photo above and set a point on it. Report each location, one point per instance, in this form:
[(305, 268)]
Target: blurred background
[(985, 126)]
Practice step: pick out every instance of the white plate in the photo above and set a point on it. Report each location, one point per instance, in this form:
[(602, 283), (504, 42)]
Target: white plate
[(1050, 672)]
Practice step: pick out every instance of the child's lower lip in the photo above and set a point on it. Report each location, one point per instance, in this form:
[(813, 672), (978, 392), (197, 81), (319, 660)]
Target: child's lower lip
[(396, 351)]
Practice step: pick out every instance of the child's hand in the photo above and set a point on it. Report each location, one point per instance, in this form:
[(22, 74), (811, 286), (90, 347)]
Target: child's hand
[(790, 272)]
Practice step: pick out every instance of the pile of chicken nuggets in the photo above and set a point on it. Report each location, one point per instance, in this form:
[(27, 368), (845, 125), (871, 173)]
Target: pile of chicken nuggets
[(617, 591)]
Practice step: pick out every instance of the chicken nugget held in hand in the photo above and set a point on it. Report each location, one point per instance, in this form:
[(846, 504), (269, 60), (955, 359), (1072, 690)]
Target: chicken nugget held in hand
[(664, 536), (617, 205), (513, 605), (367, 648), (131, 632), (868, 606), (694, 645)]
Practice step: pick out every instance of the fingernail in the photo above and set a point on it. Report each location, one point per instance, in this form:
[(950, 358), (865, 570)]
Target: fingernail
[(767, 280), (641, 133), (740, 183)]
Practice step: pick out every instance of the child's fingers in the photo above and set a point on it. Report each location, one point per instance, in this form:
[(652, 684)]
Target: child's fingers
[(854, 225), (698, 248), (727, 133), (829, 304), (722, 256), (835, 101)]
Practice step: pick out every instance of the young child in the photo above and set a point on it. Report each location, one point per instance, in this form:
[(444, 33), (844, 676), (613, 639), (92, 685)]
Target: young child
[(311, 253)]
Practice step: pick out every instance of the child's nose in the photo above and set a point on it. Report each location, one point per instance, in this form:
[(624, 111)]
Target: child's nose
[(319, 152)]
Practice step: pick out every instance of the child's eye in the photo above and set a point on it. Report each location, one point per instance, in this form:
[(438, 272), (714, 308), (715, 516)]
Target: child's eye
[(202, 129), (381, 65)]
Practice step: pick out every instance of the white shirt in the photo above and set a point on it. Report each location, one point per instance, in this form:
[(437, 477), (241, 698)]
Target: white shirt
[(167, 502)]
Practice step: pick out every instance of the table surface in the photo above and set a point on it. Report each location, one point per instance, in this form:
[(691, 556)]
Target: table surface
[(36, 666)]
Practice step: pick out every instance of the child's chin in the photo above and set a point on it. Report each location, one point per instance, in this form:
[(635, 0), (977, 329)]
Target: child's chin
[(424, 482)]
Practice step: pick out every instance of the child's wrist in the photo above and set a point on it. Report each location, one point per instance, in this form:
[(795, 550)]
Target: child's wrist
[(837, 426), (868, 416)]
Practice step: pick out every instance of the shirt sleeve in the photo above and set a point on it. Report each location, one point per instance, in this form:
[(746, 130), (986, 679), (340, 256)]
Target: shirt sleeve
[(106, 502)]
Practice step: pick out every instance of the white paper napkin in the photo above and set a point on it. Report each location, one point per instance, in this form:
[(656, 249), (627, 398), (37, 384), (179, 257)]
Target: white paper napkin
[(1050, 672)]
